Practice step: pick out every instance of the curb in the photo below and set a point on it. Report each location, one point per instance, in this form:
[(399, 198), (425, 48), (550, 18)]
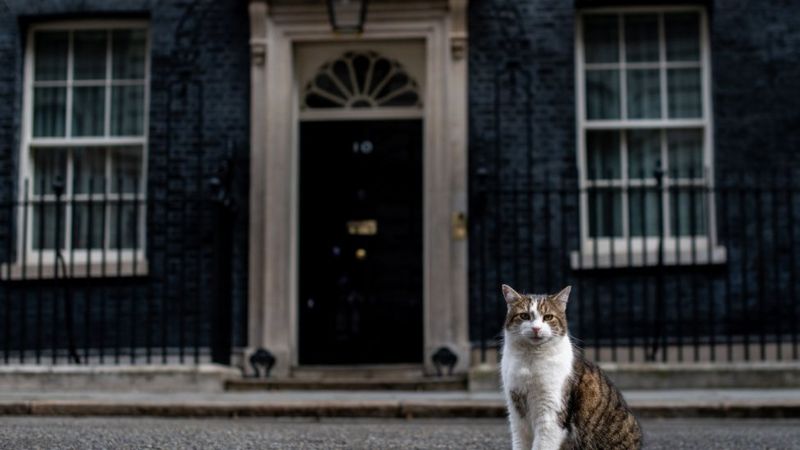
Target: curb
[(375, 409)]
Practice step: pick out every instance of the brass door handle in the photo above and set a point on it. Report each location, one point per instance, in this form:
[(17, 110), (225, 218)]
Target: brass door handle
[(459, 226)]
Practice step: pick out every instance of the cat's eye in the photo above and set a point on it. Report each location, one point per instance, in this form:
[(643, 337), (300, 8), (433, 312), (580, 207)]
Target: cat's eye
[(547, 317), (525, 316)]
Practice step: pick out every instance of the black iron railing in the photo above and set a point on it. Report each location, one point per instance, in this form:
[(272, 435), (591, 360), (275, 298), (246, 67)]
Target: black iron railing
[(116, 276), (663, 269)]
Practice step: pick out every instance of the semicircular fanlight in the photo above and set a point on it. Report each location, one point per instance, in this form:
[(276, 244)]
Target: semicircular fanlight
[(361, 80)]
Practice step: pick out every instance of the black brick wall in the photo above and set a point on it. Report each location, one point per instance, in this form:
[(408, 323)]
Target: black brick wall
[(756, 87), (522, 138), (199, 108)]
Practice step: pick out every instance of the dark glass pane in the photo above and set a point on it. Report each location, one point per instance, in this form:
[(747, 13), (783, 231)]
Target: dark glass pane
[(89, 167), (643, 206), (683, 93), (641, 37), (88, 111), (88, 225), (127, 110), (124, 225), (90, 48), (601, 38), (324, 82), (688, 208), (408, 98), (644, 152), (128, 52), (49, 111), (49, 165), (318, 101), (342, 72), (380, 70), (360, 66), (602, 94), (398, 81), (50, 55), (361, 104), (644, 94), (44, 224), (682, 32), (126, 170), (605, 212), (603, 155), (685, 153)]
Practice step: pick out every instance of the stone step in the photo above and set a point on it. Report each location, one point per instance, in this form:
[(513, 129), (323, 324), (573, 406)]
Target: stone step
[(352, 383)]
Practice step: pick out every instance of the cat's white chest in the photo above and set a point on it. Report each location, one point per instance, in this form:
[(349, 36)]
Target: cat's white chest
[(540, 376)]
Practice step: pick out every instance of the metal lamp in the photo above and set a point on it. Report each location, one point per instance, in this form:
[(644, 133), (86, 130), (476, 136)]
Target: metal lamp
[(347, 16)]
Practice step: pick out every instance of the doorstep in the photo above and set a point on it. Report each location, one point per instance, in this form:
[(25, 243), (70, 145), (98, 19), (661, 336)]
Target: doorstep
[(446, 383), (388, 377)]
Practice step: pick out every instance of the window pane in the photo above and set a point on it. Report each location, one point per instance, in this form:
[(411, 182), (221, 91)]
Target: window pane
[(643, 206), (49, 165), (88, 111), (603, 155), (601, 38), (123, 225), (683, 91), (50, 55), (602, 94), (682, 203), (644, 94), (89, 170), (129, 54), (641, 37), (605, 212), (126, 166), (44, 225), (685, 153), (682, 32), (88, 225), (89, 49), (49, 107), (644, 151), (127, 110)]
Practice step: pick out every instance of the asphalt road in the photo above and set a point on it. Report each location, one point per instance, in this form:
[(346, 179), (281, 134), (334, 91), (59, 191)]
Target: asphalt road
[(149, 433)]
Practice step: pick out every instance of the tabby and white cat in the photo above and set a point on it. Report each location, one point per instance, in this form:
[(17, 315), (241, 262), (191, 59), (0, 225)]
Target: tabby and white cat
[(555, 398)]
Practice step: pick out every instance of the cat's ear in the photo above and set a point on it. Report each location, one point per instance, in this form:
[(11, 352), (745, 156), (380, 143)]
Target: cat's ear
[(563, 297), (510, 294)]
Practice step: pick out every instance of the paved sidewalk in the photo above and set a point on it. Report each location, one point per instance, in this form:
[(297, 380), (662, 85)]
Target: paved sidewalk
[(661, 403)]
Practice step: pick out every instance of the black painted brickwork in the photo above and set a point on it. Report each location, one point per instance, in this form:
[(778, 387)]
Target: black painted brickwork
[(199, 108), (522, 137)]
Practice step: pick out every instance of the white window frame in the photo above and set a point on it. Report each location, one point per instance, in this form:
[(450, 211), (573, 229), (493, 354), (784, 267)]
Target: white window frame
[(624, 251), (104, 262)]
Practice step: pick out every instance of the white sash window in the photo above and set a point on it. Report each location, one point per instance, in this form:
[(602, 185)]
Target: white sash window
[(84, 142), (644, 103)]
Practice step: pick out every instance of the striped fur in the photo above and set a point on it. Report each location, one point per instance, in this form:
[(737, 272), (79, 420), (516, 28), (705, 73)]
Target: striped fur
[(557, 399)]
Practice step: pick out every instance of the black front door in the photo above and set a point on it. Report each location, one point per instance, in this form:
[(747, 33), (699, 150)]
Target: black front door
[(360, 242)]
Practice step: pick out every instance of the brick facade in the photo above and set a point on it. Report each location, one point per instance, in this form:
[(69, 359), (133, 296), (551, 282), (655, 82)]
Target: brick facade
[(522, 136), (199, 115)]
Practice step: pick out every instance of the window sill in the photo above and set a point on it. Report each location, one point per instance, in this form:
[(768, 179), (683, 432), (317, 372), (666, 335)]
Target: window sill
[(47, 270), (622, 259)]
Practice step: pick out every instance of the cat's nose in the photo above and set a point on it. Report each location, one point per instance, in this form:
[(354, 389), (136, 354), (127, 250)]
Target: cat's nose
[(536, 330)]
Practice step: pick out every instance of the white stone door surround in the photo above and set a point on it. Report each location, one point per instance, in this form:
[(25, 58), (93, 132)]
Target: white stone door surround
[(277, 29)]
